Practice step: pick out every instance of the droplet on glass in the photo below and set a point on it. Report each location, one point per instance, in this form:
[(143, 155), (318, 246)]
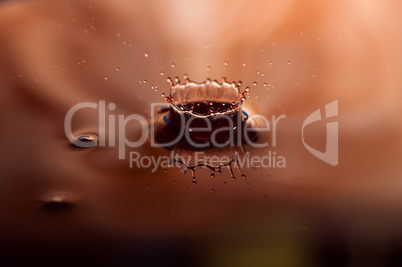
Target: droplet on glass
[(162, 73), (173, 65), (146, 55)]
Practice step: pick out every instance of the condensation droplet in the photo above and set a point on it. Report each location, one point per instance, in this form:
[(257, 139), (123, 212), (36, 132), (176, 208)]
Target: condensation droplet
[(146, 55), (162, 73), (118, 69), (244, 64), (173, 65), (226, 63), (212, 190), (255, 83)]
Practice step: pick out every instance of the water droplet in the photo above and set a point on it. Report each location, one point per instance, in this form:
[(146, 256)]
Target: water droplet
[(162, 73), (57, 203), (212, 190), (163, 94), (86, 141), (244, 64), (241, 195), (173, 65), (231, 172), (105, 78), (118, 69), (255, 83), (243, 176), (289, 62), (146, 55), (265, 84), (144, 81), (270, 63), (209, 68), (226, 63)]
